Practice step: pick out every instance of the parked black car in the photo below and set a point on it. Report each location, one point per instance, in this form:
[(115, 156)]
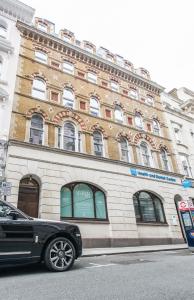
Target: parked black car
[(27, 240)]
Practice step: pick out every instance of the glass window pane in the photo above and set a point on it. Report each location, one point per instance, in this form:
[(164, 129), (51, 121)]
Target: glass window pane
[(69, 137), (147, 207), (92, 77), (100, 205), (83, 201), (159, 210), (68, 67), (136, 207), (118, 114), (66, 202), (41, 56)]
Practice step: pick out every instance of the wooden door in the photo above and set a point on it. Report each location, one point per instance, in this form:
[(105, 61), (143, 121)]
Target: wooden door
[(28, 200)]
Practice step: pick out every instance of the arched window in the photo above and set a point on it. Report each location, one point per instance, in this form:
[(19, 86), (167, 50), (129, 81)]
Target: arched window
[(133, 93), (145, 154), (3, 28), (94, 106), (68, 67), (68, 98), (164, 158), (69, 138), (150, 100), (98, 143), (156, 127), (85, 201), (148, 207), (125, 155), (41, 56), (138, 121), (36, 130), (118, 114), (39, 88)]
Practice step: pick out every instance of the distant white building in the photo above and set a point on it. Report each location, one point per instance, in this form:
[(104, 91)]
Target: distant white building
[(179, 104), (10, 12)]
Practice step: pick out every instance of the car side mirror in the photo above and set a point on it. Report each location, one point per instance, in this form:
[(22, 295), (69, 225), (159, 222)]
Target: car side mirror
[(14, 214)]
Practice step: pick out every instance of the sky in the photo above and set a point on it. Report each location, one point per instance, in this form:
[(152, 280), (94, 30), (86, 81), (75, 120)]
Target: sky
[(155, 34)]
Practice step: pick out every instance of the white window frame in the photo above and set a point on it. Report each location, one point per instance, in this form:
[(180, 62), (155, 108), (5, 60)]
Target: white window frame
[(177, 132), (156, 127), (92, 77), (186, 168), (114, 86), (68, 101), (164, 159), (125, 150), (94, 109), (38, 92), (41, 56), (89, 48), (138, 117), (133, 93), (119, 61), (77, 138), (101, 144), (67, 38), (68, 67), (150, 100), (3, 29), (119, 110), (42, 26), (147, 155), (37, 129)]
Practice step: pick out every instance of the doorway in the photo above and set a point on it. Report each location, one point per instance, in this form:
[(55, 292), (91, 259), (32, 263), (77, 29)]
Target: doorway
[(28, 198)]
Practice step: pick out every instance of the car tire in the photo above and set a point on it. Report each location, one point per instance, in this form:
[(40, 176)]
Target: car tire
[(59, 255)]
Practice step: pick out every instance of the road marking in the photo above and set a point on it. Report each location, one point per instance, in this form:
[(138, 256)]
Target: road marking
[(99, 266)]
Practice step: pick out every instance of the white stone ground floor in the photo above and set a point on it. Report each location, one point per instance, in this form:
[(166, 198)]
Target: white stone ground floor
[(53, 169)]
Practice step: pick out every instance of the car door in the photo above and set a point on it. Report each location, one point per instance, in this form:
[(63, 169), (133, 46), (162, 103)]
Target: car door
[(16, 236)]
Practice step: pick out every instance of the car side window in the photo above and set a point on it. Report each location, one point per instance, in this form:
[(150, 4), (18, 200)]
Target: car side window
[(4, 211)]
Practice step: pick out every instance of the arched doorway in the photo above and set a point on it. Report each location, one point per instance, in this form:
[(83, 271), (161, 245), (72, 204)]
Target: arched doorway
[(28, 199)]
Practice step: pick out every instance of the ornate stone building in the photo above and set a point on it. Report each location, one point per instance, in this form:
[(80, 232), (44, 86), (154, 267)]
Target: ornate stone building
[(89, 142)]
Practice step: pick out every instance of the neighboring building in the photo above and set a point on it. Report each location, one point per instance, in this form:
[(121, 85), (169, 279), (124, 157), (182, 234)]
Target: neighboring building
[(89, 142), (10, 12)]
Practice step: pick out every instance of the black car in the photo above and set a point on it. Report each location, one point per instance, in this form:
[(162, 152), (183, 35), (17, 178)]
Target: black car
[(27, 240)]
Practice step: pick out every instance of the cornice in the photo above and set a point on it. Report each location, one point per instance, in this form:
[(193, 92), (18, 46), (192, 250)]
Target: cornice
[(14, 9), (53, 41)]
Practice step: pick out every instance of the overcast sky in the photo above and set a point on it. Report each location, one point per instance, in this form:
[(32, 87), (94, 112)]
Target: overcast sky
[(155, 34)]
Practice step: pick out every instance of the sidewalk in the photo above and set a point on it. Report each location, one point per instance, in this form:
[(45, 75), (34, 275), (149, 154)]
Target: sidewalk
[(119, 250)]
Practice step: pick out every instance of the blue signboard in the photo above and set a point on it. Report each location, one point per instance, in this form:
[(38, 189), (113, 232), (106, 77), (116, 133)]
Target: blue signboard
[(187, 183), (156, 176)]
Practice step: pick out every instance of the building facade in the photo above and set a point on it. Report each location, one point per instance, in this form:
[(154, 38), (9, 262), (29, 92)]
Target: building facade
[(10, 12), (89, 142)]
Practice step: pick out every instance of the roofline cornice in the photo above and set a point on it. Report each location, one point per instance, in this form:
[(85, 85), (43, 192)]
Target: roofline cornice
[(92, 59)]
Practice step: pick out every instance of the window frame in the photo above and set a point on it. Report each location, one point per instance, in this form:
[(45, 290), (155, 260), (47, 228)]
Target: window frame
[(67, 70), (114, 86), (164, 159), (119, 109), (156, 127), (152, 196), (69, 100), (94, 189), (94, 110), (36, 89), (139, 116), (92, 79), (37, 58), (37, 130), (126, 150), (188, 167), (3, 29), (147, 155), (101, 144), (76, 138), (42, 26)]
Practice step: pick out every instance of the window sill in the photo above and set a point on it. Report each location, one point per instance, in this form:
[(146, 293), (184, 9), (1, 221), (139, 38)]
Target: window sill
[(92, 221), (152, 224)]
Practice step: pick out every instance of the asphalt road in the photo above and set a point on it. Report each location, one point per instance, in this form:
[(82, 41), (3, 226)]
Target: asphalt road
[(160, 275)]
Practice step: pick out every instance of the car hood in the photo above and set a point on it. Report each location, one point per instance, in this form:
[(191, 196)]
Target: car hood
[(53, 222)]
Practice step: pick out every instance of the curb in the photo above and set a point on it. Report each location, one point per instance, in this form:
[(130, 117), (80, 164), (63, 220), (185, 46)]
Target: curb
[(133, 251)]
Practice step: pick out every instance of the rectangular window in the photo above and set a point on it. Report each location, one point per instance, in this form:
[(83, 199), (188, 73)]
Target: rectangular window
[(80, 74), (108, 113), (114, 86), (54, 96), (149, 127), (92, 77), (177, 132), (55, 64), (105, 84), (130, 120), (82, 105)]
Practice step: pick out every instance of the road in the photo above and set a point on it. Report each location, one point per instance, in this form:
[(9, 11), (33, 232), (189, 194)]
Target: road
[(143, 276)]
